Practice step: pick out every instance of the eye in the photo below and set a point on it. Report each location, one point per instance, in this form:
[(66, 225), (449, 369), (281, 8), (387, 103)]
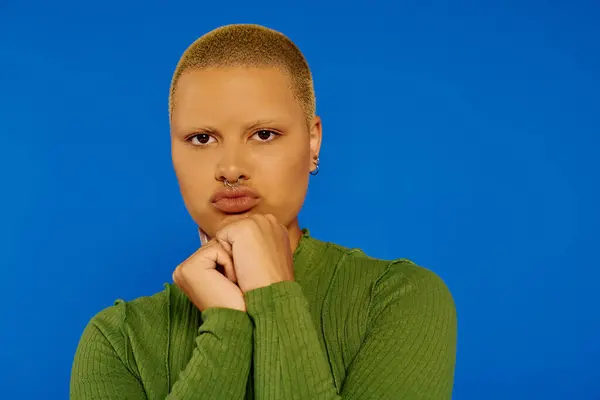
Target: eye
[(201, 139), (266, 135)]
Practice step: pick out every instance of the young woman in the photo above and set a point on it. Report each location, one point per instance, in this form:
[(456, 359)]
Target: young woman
[(263, 310)]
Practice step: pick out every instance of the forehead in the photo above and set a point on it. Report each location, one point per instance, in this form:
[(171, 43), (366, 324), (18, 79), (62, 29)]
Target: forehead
[(216, 95)]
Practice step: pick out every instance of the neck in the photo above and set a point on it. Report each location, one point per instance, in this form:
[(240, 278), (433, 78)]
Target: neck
[(294, 234)]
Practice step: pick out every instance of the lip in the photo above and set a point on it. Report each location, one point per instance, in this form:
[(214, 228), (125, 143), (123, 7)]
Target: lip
[(236, 200)]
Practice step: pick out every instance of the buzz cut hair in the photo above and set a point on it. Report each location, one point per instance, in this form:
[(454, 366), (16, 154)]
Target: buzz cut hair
[(252, 46)]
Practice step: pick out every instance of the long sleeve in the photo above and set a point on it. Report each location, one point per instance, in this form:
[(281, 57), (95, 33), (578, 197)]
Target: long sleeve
[(218, 369), (408, 351), (288, 360)]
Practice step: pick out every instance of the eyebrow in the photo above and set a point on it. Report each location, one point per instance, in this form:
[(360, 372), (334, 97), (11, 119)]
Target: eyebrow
[(258, 123), (250, 126)]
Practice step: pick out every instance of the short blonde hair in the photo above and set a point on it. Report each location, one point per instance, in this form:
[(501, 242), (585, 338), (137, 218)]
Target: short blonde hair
[(249, 45)]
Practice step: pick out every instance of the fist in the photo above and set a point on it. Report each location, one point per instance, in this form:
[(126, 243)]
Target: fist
[(208, 278), (261, 251)]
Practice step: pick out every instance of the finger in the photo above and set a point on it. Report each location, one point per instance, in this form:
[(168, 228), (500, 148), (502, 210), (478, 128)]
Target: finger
[(225, 260), (227, 223), (211, 256), (226, 245), (228, 233), (275, 225), (283, 231), (271, 218), (264, 223), (279, 230), (195, 254)]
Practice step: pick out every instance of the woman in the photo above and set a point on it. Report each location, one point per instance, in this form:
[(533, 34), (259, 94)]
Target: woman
[(263, 310)]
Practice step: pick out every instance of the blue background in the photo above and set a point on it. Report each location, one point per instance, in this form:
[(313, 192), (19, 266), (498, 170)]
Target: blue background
[(462, 136)]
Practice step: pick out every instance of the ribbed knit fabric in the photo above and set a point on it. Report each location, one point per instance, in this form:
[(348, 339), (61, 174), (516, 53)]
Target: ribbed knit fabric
[(348, 327)]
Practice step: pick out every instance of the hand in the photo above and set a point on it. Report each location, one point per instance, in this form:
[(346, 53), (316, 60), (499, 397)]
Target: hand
[(201, 279), (260, 248)]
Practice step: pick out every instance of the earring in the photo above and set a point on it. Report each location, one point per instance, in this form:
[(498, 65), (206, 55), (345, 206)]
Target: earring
[(316, 171)]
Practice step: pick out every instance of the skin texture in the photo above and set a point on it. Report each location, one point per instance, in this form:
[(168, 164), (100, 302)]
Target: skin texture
[(241, 123), (206, 286), (260, 248), (222, 103)]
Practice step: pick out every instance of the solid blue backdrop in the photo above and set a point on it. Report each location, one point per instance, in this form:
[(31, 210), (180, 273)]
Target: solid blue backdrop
[(462, 136)]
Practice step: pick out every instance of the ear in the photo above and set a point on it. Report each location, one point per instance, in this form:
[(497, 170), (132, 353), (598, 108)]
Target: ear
[(315, 137)]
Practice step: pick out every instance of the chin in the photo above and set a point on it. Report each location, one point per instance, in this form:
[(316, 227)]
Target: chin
[(217, 219), (224, 219), (229, 218)]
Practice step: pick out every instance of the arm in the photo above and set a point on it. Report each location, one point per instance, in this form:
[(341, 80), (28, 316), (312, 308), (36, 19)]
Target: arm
[(218, 368), (407, 353)]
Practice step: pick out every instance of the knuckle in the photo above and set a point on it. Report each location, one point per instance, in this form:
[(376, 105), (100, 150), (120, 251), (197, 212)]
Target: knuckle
[(257, 217), (249, 226)]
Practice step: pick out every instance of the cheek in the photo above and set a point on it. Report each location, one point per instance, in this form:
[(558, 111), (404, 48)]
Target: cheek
[(288, 181), (287, 166), (192, 175)]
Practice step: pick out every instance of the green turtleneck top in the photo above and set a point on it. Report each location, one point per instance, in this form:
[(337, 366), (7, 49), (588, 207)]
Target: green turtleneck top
[(349, 327)]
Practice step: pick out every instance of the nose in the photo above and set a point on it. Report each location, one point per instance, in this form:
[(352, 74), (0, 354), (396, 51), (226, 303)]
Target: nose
[(231, 166)]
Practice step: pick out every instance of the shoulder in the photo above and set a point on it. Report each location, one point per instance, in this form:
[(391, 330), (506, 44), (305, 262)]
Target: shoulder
[(410, 278), (411, 295), (146, 309), (387, 281), (129, 329), (116, 337), (353, 261), (372, 270)]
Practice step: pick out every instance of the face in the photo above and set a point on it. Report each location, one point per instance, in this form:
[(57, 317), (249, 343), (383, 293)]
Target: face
[(241, 123)]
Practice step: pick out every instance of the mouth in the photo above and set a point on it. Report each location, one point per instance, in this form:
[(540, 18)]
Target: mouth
[(235, 201), (235, 205)]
